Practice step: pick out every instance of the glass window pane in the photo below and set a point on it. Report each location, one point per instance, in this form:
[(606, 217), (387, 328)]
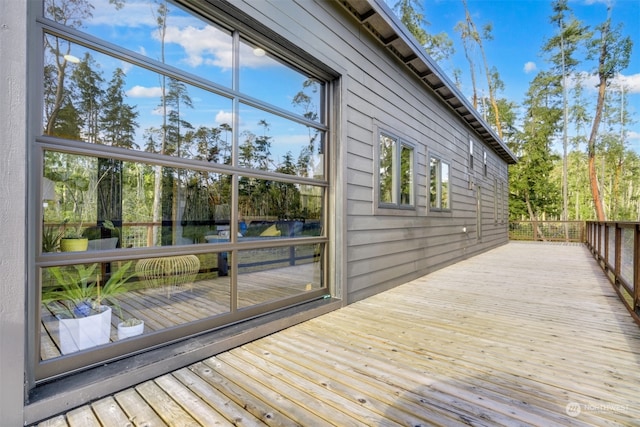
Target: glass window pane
[(270, 142), (144, 205), (268, 79), (84, 304), (445, 186), (406, 175), (433, 183), (387, 148), (160, 31), (107, 101), (277, 273), (279, 209)]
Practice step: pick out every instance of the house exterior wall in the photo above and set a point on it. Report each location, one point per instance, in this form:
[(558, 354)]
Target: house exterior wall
[(387, 247), (13, 190), (372, 248)]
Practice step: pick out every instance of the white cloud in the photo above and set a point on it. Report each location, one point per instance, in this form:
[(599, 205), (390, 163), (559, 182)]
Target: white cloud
[(134, 14), (224, 117), (530, 67), (144, 92), (589, 81), (631, 84), (633, 136), (207, 44)]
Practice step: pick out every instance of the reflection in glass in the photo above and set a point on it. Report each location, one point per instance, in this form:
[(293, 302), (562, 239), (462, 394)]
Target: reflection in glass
[(270, 142), (101, 198), (88, 305), (406, 175), (387, 149), (275, 203), (100, 103), (439, 184), (277, 273), (264, 77), (158, 30), (445, 204)]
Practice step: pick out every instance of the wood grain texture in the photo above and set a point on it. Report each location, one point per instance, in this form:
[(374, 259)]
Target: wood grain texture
[(506, 338)]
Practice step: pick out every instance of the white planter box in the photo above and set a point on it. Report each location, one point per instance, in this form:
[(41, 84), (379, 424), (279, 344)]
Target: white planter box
[(85, 332), (130, 331)]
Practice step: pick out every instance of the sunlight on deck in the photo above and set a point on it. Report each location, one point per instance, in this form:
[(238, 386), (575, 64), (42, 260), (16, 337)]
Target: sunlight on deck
[(526, 334)]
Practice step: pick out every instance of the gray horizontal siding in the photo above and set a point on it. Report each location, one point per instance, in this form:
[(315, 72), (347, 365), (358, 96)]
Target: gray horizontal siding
[(388, 247)]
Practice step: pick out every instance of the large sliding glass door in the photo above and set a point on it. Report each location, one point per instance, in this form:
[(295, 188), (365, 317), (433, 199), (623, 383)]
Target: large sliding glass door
[(187, 160)]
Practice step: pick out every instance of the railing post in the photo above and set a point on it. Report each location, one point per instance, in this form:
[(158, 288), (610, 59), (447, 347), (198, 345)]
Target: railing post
[(605, 241), (618, 249), (636, 270)]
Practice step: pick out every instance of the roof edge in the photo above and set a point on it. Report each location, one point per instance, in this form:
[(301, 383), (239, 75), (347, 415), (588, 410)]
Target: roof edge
[(421, 64)]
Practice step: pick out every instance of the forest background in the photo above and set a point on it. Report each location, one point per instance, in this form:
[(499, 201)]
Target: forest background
[(574, 129)]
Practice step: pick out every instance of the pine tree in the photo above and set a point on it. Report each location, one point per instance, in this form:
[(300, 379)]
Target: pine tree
[(117, 119)]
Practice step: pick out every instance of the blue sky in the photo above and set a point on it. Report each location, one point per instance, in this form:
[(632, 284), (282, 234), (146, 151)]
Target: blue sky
[(520, 28)]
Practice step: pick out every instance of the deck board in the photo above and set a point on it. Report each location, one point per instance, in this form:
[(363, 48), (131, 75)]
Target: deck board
[(509, 337)]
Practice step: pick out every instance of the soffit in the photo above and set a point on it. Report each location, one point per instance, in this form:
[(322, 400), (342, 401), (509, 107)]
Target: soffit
[(379, 20)]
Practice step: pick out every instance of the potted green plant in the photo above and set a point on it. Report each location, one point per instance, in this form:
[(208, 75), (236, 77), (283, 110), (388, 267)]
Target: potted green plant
[(77, 298), (51, 236), (130, 327), (73, 240)]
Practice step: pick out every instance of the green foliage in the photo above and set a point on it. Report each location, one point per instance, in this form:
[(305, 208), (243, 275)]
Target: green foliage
[(75, 286), (438, 46)]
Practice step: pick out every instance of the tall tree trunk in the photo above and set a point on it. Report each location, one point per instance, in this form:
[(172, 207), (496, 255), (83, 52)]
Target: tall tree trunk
[(534, 218), (602, 86)]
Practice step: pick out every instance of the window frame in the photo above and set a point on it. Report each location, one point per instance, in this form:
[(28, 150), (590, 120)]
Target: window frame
[(484, 163), (399, 145), (439, 161), (42, 370)]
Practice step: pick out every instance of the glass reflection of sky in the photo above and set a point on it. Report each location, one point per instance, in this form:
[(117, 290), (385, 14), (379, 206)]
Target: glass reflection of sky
[(200, 48)]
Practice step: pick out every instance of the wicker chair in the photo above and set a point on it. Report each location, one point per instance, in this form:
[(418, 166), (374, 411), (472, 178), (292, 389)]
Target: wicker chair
[(176, 273)]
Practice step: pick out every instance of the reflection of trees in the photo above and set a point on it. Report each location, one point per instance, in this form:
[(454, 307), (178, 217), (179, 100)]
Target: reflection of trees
[(70, 13), (77, 106), (387, 147), (117, 119), (304, 101), (84, 104)]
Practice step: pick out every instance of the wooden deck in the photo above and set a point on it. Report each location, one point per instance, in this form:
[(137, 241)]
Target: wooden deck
[(528, 334), (163, 307)]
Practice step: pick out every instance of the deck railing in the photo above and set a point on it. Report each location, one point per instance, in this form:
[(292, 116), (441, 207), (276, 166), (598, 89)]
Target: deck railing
[(548, 231), (616, 246)]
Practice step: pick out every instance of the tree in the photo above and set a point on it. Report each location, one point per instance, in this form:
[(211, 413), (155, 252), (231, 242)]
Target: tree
[(117, 119), (562, 48), (88, 94), (613, 53), (534, 193), (161, 22), (70, 13), (438, 46), (470, 33)]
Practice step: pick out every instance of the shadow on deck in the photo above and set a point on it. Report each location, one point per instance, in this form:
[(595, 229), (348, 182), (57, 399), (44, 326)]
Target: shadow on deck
[(526, 334)]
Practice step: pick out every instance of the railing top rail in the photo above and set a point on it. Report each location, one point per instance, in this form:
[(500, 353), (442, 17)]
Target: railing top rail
[(622, 224)]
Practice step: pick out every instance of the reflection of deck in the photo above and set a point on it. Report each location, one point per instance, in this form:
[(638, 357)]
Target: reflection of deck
[(527, 334), (162, 308)]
